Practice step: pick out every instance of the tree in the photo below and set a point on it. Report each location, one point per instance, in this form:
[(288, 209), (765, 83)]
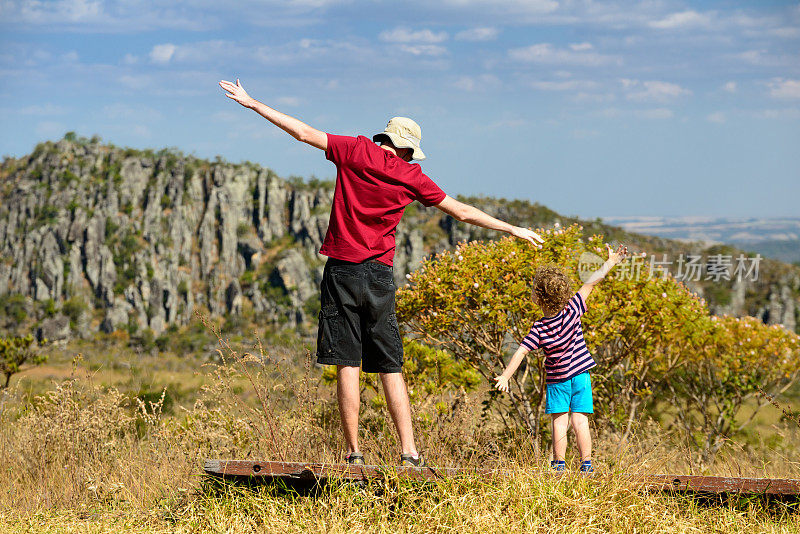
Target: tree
[(16, 351)]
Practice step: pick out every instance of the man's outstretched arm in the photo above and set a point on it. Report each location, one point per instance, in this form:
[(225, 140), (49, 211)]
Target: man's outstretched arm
[(294, 127), (472, 215)]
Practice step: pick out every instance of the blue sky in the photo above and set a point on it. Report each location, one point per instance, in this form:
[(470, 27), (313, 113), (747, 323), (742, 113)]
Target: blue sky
[(661, 107)]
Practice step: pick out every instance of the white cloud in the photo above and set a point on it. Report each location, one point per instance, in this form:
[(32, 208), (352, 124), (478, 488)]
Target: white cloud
[(405, 35), (785, 113), (730, 87), (512, 7), (656, 113), (135, 81), (478, 34), (652, 91), (477, 83), (594, 98), (718, 117), (100, 16), (762, 59), (756, 57), (162, 53), (546, 53), (786, 32), (423, 49), (290, 101), (507, 124), (683, 19), (580, 47), (782, 88), (44, 110), (62, 10), (567, 85), (650, 114)]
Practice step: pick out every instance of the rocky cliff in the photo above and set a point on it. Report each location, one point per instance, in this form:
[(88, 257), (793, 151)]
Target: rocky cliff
[(98, 237)]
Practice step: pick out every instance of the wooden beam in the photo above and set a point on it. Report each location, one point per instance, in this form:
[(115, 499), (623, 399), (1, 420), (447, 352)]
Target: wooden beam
[(712, 484), (304, 473), (310, 471)]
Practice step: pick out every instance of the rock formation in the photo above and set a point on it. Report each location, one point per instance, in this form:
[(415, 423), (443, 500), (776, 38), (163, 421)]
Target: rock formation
[(140, 239)]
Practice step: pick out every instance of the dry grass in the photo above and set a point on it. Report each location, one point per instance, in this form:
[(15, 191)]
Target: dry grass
[(86, 457)]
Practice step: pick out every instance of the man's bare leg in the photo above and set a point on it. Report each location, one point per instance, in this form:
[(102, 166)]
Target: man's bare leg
[(394, 387), (348, 391)]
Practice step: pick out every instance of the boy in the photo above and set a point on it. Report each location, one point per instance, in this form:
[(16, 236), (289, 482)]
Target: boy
[(567, 360)]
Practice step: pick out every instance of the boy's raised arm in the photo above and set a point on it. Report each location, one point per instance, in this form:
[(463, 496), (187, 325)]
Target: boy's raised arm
[(614, 257), (294, 127), (472, 215)]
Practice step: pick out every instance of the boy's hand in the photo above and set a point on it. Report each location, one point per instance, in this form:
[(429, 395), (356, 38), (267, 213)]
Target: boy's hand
[(501, 383), (236, 92), (617, 256)]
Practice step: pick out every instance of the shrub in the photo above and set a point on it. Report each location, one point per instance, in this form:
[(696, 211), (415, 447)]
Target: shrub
[(14, 353), (14, 306)]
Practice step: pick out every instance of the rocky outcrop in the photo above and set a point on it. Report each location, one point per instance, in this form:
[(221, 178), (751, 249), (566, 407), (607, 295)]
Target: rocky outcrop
[(53, 329), (146, 238)]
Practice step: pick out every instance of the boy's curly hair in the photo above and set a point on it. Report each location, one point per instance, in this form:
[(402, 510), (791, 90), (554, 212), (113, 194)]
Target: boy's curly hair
[(552, 288)]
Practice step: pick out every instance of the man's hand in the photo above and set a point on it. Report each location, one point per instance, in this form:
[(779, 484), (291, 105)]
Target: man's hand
[(236, 92), (501, 383), (294, 127), (528, 235), (472, 215)]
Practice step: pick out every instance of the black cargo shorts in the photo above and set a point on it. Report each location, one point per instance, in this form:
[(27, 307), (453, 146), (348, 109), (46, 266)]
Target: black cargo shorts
[(357, 321)]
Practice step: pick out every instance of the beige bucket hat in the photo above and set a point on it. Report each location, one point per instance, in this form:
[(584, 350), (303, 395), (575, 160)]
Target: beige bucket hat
[(404, 133)]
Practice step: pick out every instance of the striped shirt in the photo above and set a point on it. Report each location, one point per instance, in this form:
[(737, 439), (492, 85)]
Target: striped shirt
[(561, 339)]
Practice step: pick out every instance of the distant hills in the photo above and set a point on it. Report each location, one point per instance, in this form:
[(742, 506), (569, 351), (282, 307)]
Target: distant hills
[(98, 237), (777, 238)]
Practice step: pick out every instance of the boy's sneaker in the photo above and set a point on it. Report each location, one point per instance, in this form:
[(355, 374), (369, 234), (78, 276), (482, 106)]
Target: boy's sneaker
[(586, 467), (409, 460), (558, 465), (354, 458)]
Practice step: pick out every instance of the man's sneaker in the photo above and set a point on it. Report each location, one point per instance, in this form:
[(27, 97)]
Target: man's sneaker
[(354, 458), (586, 467), (410, 460), (558, 465)]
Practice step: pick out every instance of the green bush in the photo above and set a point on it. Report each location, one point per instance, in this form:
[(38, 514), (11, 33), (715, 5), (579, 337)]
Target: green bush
[(14, 306), (73, 308), (14, 353)]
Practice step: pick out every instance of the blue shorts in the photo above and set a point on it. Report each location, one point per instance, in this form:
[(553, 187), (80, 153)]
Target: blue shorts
[(573, 395)]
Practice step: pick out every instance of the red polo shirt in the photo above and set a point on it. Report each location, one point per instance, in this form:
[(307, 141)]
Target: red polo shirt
[(373, 188)]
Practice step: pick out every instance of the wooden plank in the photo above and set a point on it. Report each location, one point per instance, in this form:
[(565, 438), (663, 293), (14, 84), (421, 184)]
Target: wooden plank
[(318, 472), (714, 484), (311, 471)]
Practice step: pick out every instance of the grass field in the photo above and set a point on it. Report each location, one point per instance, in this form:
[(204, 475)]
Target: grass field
[(114, 440)]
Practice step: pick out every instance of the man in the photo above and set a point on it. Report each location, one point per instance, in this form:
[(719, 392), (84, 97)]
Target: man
[(374, 184)]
